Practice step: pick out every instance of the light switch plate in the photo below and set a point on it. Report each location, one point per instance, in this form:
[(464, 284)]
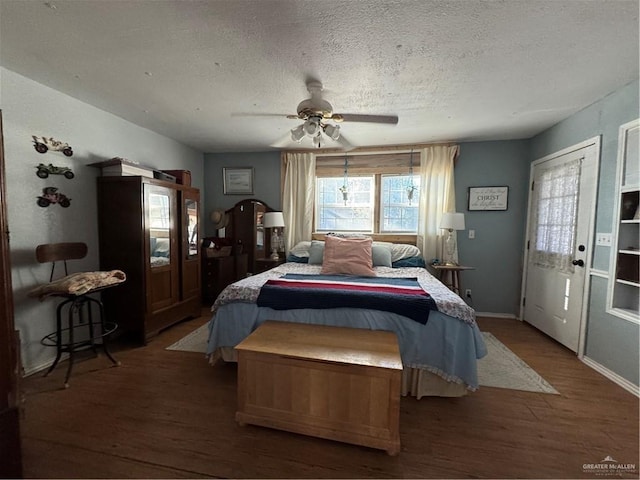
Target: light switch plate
[(603, 239)]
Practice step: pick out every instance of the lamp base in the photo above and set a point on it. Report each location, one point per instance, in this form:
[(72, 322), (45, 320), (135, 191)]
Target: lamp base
[(274, 255)]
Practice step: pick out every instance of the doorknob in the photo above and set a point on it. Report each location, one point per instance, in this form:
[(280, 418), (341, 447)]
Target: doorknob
[(579, 263)]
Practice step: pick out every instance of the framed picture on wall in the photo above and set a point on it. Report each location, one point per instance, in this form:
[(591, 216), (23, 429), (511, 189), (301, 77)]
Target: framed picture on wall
[(237, 180), (488, 198)]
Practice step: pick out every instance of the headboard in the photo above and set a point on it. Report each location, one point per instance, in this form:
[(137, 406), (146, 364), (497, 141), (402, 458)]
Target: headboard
[(379, 237)]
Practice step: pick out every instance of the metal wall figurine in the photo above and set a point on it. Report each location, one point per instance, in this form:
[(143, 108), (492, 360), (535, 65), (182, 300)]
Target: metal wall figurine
[(43, 171), (51, 195), (43, 144)]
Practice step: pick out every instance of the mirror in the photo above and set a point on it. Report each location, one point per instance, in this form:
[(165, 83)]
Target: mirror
[(159, 230), (259, 231), (191, 219)]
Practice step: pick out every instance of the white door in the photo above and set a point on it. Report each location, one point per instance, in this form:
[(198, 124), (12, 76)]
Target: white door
[(559, 235)]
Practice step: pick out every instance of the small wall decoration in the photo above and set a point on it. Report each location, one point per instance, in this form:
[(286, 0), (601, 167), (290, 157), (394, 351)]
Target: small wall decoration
[(43, 171), (488, 198), (44, 144), (238, 181), (51, 195)]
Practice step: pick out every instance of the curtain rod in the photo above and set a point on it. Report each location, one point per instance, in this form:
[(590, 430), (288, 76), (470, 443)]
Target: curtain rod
[(379, 149)]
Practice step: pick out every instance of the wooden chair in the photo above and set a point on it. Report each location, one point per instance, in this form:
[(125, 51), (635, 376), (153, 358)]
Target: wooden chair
[(81, 331)]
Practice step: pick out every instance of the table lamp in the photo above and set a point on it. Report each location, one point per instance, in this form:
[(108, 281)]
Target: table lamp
[(274, 220), (451, 221)]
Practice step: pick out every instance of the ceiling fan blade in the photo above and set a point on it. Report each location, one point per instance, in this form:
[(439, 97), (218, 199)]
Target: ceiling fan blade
[(253, 114), (283, 142), (351, 117), (345, 144)]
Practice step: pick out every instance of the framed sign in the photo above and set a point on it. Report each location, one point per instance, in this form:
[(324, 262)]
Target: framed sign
[(488, 198), (237, 181)]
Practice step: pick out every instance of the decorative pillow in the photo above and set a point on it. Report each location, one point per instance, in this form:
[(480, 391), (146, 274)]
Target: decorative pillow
[(347, 256), (381, 255), (316, 251), (401, 250), (295, 259), (410, 262), (301, 249)]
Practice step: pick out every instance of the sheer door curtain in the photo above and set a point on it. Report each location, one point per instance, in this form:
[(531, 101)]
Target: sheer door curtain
[(555, 206)]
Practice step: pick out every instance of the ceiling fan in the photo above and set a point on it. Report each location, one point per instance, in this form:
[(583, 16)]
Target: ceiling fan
[(317, 112)]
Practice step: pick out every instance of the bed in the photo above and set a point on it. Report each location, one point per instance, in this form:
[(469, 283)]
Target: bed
[(439, 356)]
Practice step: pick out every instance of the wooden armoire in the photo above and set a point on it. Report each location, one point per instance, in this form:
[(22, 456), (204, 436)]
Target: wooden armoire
[(149, 229)]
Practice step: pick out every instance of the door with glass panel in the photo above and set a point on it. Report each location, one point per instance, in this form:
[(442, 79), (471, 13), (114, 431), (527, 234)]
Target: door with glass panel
[(561, 213)]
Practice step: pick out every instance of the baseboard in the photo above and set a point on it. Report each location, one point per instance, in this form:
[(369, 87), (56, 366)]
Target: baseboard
[(510, 316), (614, 377), (42, 366)]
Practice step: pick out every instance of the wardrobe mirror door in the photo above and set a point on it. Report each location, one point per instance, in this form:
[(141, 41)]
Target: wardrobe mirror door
[(191, 219), (259, 231), (159, 229)]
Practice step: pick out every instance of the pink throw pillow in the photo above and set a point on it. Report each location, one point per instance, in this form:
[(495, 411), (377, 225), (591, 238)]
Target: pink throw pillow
[(347, 256)]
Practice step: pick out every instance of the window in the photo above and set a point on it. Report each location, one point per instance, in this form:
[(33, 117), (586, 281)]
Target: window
[(399, 203), (334, 213), (377, 199)]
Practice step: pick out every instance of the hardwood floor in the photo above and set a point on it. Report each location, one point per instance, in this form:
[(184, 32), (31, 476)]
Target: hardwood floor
[(169, 414)]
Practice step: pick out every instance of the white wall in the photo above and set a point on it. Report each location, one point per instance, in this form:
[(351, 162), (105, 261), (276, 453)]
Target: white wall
[(30, 108)]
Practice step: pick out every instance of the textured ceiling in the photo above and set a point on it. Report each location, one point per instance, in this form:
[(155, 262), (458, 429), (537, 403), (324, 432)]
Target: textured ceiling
[(221, 75)]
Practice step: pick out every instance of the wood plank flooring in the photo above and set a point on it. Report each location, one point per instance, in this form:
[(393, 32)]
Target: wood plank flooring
[(169, 414)]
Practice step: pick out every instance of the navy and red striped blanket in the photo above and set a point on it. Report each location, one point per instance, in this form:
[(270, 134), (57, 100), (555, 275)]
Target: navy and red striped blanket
[(403, 296)]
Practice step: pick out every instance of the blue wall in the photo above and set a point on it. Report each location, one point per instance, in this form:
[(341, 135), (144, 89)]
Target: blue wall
[(611, 341), (266, 181), (497, 250)]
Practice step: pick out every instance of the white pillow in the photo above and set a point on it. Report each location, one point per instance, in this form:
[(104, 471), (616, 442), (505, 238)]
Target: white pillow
[(401, 250), (301, 249)]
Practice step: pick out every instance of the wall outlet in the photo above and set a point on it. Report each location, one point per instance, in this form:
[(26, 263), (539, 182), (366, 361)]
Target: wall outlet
[(472, 234), (467, 293)]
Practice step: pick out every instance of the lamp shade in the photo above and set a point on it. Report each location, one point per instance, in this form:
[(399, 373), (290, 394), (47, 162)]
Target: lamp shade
[(333, 131), (273, 220), (452, 220), (297, 134)]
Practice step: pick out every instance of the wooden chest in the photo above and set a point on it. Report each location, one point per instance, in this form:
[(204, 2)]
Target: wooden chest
[(330, 382)]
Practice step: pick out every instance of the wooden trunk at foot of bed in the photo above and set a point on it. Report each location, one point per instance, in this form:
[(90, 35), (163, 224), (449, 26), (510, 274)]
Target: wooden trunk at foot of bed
[(330, 382)]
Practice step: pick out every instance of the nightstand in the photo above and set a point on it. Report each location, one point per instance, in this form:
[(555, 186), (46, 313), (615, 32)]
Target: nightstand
[(218, 272), (264, 264), (450, 275)]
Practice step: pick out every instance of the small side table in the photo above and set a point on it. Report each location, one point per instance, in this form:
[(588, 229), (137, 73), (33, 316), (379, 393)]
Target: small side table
[(450, 275), (264, 264)]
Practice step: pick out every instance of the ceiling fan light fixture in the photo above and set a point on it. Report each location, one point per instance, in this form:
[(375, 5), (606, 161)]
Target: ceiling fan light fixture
[(332, 131), (297, 134), (311, 126)]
